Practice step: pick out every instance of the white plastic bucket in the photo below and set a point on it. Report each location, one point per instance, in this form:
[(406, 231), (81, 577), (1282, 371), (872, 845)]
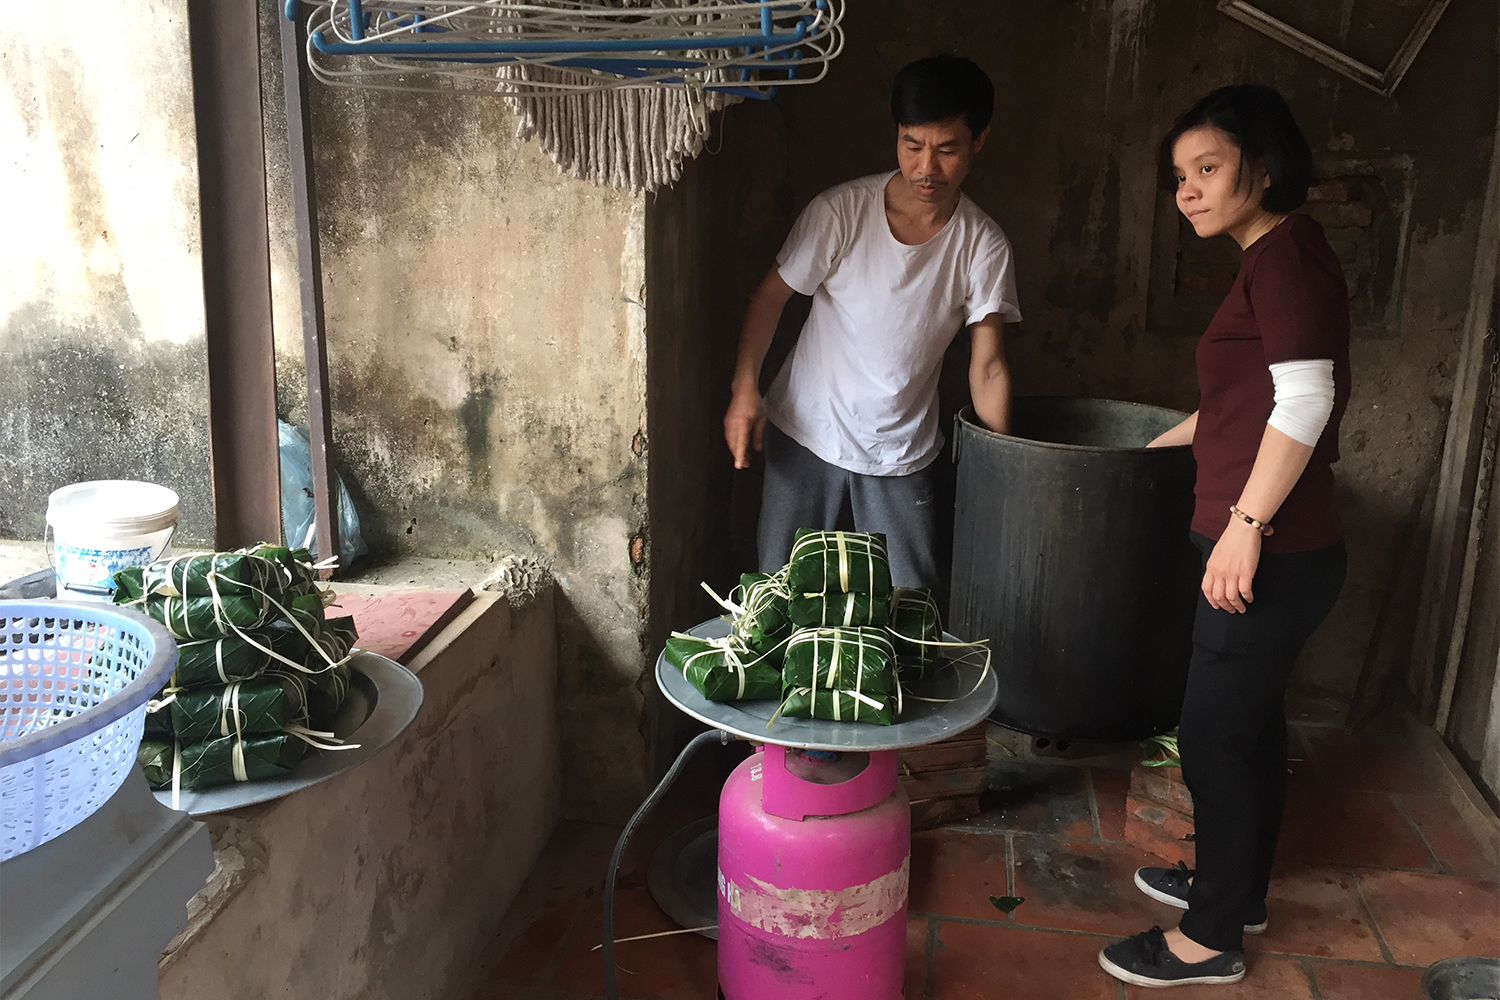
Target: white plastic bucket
[(101, 527)]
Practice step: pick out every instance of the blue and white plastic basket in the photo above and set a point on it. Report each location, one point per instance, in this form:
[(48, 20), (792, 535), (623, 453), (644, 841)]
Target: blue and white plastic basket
[(74, 682)]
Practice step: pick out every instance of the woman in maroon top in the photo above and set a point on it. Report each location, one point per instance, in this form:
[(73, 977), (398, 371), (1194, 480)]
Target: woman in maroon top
[(1273, 378)]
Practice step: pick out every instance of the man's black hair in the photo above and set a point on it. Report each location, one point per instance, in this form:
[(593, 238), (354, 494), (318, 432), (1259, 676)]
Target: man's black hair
[(938, 88), (1257, 120)]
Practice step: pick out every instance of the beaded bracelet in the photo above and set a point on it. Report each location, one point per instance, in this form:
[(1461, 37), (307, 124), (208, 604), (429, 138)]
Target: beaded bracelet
[(1260, 526)]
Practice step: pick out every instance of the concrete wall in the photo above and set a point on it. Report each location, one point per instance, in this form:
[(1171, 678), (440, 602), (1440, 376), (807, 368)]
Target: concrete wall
[(101, 301), (387, 882), (486, 338), (1113, 294)]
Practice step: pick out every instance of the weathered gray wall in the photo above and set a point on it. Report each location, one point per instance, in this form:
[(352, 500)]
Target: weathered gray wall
[(101, 300), (1113, 296), (487, 352), (387, 882)]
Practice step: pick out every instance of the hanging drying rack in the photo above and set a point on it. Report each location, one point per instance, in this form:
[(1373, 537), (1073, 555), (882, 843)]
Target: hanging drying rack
[(738, 48)]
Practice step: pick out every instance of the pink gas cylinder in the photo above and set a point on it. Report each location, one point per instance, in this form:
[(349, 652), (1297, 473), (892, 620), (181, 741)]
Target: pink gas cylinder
[(814, 863)]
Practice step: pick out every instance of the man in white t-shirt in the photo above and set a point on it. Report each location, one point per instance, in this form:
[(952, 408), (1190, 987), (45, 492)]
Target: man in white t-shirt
[(896, 264)]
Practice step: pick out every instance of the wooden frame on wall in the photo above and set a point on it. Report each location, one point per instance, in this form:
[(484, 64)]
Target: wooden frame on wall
[(1383, 82)]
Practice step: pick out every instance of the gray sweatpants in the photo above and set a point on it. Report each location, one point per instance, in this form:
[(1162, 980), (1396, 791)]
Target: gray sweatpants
[(803, 491)]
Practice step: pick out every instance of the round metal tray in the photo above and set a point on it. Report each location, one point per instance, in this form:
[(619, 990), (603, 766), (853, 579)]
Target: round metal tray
[(383, 700), (972, 691), (682, 876), (1471, 978)]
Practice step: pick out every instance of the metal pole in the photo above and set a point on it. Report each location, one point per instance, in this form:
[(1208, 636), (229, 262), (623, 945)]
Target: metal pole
[(225, 49), (310, 270)]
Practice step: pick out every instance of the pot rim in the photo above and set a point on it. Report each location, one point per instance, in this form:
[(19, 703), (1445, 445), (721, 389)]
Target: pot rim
[(966, 417)]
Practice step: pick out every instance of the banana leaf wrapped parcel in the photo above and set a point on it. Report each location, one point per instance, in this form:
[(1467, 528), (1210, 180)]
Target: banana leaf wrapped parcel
[(843, 562), (763, 621), (244, 707), (916, 630), (158, 719), (221, 761), (206, 662), (723, 669), (272, 569), (324, 670), (154, 757), (849, 610), (839, 706), (208, 617), (211, 617), (841, 674), (326, 692), (211, 662), (850, 659)]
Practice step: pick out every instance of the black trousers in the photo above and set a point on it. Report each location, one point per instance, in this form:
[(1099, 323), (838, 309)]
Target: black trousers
[(1233, 734)]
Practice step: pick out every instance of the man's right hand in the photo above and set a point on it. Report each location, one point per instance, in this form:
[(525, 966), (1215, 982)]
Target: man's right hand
[(744, 423), (745, 419)]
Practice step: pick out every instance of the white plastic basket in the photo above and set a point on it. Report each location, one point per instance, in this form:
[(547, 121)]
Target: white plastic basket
[(74, 682)]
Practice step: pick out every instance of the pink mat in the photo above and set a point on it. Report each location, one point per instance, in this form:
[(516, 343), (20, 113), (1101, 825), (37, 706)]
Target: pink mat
[(399, 624)]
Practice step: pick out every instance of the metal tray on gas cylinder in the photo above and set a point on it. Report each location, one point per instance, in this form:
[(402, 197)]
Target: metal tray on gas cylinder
[(383, 700), (964, 695)]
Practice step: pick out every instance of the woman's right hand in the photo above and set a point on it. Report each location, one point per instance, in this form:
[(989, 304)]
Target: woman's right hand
[(744, 423)]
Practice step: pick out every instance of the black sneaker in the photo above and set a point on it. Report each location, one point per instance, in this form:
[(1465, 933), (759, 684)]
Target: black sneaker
[(1170, 886), (1145, 960)]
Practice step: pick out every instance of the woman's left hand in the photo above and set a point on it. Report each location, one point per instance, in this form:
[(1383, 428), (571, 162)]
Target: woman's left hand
[(1231, 568)]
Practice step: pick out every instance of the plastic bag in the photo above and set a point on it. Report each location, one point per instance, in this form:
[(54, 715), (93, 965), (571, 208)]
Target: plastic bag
[(297, 515)]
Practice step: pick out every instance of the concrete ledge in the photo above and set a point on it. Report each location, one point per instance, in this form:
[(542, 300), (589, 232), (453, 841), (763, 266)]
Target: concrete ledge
[(388, 882)]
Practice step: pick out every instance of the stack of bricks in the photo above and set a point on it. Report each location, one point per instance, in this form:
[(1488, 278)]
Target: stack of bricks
[(1159, 813), (943, 780)]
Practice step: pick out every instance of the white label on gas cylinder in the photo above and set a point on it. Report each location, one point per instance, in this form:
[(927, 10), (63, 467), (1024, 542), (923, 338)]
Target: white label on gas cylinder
[(818, 913), (754, 772)]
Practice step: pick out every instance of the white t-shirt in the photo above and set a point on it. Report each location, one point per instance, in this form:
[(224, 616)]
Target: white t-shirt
[(860, 389)]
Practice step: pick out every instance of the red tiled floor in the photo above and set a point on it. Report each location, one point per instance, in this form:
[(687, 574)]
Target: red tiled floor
[(1378, 759), (1266, 979), (1335, 826), (978, 962), (1084, 887), (1316, 911), (1450, 837), (536, 948), (1035, 798), (916, 959), (956, 873), (1353, 982), (680, 967), (1337, 896), (1425, 918), (1110, 787)]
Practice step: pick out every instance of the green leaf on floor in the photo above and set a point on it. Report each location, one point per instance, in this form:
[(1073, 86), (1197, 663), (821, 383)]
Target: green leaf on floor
[(1007, 904), (1163, 749)]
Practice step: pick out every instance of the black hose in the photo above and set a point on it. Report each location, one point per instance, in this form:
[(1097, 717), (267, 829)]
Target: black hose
[(611, 988)]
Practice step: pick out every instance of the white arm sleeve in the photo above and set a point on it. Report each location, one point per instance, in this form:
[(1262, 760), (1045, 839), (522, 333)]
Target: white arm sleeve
[(1304, 399)]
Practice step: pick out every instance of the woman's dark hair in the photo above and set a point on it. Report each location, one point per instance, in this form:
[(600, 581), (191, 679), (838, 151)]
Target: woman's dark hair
[(1257, 120), (941, 87)]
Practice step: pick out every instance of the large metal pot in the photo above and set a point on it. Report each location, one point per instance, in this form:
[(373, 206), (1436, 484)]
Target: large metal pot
[(1071, 554)]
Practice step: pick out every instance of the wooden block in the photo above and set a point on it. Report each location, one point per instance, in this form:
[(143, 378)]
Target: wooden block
[(1162, 785), (1159, 829), (934, 813), (965, 749), (944, 784), (942, 756)]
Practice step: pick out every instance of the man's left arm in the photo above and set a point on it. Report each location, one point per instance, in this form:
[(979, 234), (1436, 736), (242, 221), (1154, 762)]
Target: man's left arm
[(989, 378)]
